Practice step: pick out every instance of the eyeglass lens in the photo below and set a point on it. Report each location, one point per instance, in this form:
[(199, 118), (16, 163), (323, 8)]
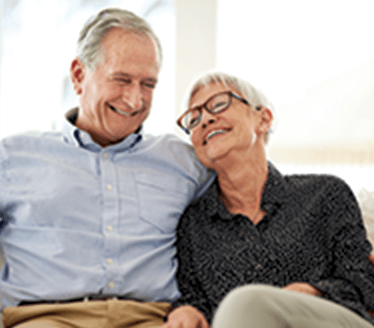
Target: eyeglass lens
[(214, 105)]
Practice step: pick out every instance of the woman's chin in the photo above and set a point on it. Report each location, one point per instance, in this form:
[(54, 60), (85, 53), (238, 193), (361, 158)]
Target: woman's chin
[(212, 156)]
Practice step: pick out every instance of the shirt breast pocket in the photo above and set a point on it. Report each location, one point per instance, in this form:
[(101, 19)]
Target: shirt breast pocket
[(163, 198)]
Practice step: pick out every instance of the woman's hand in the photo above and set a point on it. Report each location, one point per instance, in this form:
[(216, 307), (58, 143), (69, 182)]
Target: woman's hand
[(185, 317), (371, 259), (304, 288)]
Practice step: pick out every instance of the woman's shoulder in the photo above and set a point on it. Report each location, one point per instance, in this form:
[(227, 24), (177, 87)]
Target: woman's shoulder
[(315, 181), (306, 186)]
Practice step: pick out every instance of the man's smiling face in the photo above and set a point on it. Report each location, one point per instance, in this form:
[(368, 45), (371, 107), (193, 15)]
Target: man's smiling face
[(116, 97)]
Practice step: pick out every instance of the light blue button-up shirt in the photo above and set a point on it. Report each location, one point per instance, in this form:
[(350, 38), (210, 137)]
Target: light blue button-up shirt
[(77, 219)]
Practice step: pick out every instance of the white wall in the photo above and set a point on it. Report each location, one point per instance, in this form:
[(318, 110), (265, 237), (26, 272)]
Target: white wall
[(314, 60)]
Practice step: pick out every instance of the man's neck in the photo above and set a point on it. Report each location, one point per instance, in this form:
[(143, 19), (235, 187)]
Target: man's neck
[(97, 136)]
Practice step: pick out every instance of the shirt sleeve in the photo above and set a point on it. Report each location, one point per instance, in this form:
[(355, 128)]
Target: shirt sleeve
[(2, 158), (351, 281), (188, 285), (208, 178)]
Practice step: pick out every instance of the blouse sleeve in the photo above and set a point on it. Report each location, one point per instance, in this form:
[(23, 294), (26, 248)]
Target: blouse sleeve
[(191, 293), (351, 282)]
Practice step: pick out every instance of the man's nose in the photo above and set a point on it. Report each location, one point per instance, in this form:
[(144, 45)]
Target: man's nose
[(133, 97)]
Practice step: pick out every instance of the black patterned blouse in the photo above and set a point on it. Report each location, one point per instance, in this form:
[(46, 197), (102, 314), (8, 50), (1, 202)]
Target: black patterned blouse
[(312, 232)]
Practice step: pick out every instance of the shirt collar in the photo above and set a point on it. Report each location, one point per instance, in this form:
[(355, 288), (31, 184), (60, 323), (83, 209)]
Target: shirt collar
[(80, 138), (274, 191), (213, 205), (272, 196)]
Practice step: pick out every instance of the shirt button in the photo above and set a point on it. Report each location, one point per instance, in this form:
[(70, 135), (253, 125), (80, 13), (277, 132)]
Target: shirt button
[(111, 284), (110, 261), (109, 228), (109, 187), (105, 155)]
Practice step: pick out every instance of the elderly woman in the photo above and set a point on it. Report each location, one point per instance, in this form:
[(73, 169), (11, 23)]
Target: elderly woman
[(291, 249)]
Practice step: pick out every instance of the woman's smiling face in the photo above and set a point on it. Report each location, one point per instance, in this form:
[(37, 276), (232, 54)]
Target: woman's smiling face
[(231, 130)]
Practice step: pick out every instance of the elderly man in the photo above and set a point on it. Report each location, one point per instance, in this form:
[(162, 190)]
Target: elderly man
[(88, 214)]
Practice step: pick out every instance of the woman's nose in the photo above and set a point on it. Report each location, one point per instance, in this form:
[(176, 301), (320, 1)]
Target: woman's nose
[(207, 118), (204, 125)]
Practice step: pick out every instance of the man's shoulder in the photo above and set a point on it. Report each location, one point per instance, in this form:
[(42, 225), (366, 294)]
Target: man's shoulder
[(176, 155), (166, 138), (169, 143), (30, 140), (31, 135)]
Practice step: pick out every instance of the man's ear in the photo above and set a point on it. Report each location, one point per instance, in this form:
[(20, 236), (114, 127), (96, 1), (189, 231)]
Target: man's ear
[(77, 74), (266, 120)]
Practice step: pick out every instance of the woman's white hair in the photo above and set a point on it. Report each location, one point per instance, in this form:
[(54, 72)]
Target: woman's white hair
[(92, 34), (253, 95)]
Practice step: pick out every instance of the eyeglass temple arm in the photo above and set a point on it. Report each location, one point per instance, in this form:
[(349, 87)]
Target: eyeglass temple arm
[(245, 101)]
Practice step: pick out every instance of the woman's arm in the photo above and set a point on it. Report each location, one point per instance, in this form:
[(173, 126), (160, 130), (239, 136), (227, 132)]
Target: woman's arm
[(351, 282), (185, 316), (304, 288)]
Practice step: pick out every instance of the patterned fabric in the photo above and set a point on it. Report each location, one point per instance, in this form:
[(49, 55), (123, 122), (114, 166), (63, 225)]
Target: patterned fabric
[(312, 232)]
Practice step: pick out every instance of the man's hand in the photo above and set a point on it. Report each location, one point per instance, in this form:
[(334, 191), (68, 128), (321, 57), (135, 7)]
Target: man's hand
[(303, 287), (186, 317)]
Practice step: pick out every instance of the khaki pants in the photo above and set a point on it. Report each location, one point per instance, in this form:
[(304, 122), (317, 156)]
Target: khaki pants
[(91, 314), (260, 306)]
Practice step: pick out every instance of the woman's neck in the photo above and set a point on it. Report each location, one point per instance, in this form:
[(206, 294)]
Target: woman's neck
[(241, 182)]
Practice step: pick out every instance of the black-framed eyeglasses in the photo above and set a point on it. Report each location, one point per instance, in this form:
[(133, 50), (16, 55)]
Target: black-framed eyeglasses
[(214, 105)]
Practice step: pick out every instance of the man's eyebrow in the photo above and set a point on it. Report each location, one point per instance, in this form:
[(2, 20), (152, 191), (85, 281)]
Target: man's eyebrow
[(152, 80), (121, 74), (128, 76)]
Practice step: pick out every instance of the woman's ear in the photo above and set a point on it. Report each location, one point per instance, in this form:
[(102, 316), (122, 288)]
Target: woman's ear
[(77, 73), (266, 120)]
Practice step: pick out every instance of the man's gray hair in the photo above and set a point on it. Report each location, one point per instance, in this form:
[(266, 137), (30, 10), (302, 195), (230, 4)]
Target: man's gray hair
[(253, 95), (92, 34)]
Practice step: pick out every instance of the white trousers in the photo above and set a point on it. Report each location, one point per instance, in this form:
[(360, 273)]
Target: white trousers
[(259, 306)]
